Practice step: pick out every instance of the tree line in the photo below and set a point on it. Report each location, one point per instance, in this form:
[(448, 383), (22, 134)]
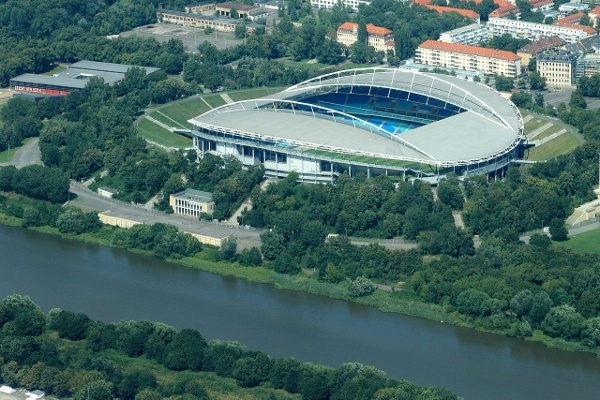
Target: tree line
[(66, 354)]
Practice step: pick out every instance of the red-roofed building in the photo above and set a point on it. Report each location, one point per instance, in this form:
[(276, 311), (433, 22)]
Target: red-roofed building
[(377, 37), (569, 20), (465, 13), (541, 5), (468, 58), (504, 10)]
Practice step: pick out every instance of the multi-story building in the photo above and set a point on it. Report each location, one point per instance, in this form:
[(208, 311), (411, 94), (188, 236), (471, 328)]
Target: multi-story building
[(541, 5), (192, 203), (377, 37), (505, 9), (568, 8), (201, 7), (440, 9), (569, 20), (468, 58), (203, 21), (243, 11), (587, 65), (535, 31), (558, 67), (470, 34), (328, 4), (536, 47)]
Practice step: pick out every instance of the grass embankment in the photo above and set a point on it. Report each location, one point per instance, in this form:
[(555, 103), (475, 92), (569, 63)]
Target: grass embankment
[(157, 134), (586, 242), (564, 144)]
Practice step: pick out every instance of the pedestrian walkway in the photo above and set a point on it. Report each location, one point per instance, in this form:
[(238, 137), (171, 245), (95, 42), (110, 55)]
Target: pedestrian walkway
[(226, 97), (527, 118), (549, 138), (161, 124), (539, 130)]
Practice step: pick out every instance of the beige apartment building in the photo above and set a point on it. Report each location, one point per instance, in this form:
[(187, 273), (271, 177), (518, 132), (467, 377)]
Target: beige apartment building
[(468, 58), (557, 67), (381, 39)]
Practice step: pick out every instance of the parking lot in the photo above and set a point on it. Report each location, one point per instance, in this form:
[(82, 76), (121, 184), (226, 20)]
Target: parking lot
[(190, 36), (555, 96)]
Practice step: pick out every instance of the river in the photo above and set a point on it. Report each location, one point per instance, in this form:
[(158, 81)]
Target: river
[(113, 285)]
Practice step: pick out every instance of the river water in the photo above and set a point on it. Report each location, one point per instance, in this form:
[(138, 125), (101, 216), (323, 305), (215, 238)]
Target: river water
[(113, 285)]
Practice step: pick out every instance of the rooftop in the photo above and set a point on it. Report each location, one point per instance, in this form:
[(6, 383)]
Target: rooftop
[(470, 50), (371, 29), (537, 46), (195, 195)]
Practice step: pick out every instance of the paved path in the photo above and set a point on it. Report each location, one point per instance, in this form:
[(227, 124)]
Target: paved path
[(88, 199), (539, 130), (560, 123), (549, 138), (226, 97), (28, 154)]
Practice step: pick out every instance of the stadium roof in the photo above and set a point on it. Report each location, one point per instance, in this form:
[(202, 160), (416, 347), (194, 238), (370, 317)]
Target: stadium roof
[(490, 126)]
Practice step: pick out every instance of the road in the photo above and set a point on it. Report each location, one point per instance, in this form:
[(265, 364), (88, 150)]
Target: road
[(90, 200)]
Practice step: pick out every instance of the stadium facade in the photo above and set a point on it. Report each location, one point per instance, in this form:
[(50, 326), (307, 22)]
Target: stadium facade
[(372, 121)]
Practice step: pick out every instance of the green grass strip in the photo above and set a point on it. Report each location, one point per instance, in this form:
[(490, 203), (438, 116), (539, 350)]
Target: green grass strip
[(157, 134), (563, 144)]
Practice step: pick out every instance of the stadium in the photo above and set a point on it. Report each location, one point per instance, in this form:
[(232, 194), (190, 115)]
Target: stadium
[(373, 121)]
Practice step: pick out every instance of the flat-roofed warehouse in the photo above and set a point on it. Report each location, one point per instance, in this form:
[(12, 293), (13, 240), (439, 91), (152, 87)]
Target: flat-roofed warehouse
[(73, 78), (371, 121)]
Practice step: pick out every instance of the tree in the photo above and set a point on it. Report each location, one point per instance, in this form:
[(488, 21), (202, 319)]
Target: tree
[(228, 251), (186, 351), (272, 244), (536, 82), (577, 100), (563, 321), (558, 230), (284, 263), (361, 287), (503, 84), (251, 257)]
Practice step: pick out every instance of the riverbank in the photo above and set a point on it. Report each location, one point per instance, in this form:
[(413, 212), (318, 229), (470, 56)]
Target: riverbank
[(401, 302)]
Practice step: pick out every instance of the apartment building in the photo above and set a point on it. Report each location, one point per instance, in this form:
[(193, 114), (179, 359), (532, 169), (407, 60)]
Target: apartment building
[(381, 39), (536, 47), (569, 20), (594, 13), (470, 35), (558, 67), (468, 58), (541, 5), (535, 31), (328, 4)]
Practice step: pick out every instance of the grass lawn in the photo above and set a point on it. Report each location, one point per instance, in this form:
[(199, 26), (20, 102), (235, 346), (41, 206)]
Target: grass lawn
[(215, 100), (6, 155), (157, 134), (563, 144), (183, 110), (548, 132), (159, 116), (533, 124), (583, 243)]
